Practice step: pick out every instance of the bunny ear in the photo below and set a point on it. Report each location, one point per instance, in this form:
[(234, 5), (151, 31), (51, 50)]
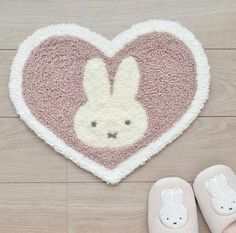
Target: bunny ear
[(96, 83), (223, 182), (127, 79), (172, 196), (178, 196), (213, 187), (166, 196)]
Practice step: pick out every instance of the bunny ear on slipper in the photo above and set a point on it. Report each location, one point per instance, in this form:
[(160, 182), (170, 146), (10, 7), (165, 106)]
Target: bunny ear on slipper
[(215, 192), (169, 196), (173, 199)]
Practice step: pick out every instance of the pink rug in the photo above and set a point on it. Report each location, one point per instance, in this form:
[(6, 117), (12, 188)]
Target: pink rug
[(109, 106)]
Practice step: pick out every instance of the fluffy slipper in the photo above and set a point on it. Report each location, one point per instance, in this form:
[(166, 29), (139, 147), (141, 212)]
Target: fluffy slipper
[(215, 190), (171, 207)]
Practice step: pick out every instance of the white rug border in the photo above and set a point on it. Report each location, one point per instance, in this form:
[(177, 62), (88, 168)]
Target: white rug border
[(110, 48)]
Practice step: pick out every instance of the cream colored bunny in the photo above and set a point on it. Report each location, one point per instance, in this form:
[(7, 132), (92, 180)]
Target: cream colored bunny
[(223, 197), (110, 118), (173, 213)]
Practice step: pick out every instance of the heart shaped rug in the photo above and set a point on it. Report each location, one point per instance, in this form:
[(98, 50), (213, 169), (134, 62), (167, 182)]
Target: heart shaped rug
[(109, 106)]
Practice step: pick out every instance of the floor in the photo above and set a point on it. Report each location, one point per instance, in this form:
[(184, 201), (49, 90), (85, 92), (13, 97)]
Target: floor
[(40, 191)]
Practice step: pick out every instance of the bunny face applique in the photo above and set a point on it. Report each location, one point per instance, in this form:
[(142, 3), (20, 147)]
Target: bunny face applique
[(223, 196), (173, 213), (111, 120)]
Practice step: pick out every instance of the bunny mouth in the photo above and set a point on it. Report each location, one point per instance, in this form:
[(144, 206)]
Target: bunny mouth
[(112, 135)]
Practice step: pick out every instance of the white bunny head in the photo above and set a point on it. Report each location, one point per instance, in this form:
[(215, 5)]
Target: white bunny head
[(223, 197), (110, 119), (173, 213)]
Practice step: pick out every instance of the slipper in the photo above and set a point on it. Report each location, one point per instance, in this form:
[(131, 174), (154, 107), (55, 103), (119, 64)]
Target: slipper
[(215, 190), (171, 207)]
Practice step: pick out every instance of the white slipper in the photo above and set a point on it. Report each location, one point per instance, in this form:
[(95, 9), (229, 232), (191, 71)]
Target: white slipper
[(171, 207), (215, 190)]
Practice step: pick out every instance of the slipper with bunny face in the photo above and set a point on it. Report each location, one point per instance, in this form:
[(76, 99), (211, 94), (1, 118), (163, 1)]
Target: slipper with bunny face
[(171, 206), (215, 190)]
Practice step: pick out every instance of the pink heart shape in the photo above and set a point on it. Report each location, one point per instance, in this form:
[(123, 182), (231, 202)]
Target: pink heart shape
[(174, 81)]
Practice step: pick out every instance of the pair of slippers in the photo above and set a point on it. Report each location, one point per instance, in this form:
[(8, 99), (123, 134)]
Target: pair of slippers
[(172, 206)]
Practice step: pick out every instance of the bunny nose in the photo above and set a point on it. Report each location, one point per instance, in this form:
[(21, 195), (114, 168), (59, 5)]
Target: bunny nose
[(112, 135), (175, 223)]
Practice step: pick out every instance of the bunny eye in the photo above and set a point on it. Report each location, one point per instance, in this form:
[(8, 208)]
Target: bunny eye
[(234, 202), (127, 122), (167, 219), (93, 123), (180, 218), (222, 207)]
